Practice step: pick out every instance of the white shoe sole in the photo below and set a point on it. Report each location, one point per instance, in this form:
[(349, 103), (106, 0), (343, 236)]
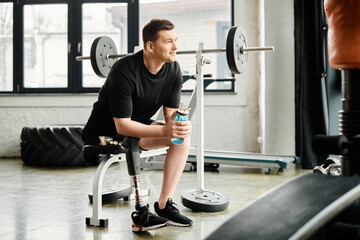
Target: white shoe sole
[(137, 228), (178, 224)]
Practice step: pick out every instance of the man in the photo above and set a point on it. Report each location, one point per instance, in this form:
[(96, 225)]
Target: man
[(137, 86)]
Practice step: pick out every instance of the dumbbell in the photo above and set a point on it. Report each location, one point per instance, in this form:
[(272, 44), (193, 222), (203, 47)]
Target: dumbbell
[(331, 166)]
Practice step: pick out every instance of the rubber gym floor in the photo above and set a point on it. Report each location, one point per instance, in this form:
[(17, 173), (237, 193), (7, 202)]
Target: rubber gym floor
[(52, 203)]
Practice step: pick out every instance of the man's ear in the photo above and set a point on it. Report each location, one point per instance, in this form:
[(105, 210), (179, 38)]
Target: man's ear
[(149, 46)]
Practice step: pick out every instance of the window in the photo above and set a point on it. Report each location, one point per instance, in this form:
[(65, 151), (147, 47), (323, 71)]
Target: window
[(205, 21), (102, 19), (45, 46), (40, 39), (6, 46)]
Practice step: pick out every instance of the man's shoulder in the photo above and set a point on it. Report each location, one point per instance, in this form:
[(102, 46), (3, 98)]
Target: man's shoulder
[(173, 66), (129, 61)]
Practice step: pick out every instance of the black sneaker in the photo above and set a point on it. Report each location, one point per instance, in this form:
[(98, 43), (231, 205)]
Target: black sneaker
[(144, 220), (172, 213)]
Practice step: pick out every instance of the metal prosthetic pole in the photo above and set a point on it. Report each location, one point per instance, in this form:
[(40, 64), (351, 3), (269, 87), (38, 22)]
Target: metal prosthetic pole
[(134, 169)]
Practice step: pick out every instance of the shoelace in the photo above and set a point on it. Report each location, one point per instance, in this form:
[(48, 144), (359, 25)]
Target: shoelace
[(172, 205), (144, 215)]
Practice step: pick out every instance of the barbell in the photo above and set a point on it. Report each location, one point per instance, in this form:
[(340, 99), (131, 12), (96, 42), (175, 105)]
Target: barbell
[(103, 53)]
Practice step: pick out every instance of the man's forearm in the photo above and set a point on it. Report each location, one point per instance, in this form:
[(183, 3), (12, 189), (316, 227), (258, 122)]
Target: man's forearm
[(128, 127)]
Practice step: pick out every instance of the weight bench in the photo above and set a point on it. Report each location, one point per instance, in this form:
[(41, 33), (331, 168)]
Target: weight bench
[(114, 152), (294, 210), (298, 209)]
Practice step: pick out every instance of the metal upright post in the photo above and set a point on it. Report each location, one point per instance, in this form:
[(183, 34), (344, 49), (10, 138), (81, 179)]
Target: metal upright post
[(350, 119), (200, 118), (201, 199)]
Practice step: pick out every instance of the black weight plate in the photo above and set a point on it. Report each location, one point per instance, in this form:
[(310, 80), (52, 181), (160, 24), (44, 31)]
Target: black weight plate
[(100, 48), (113, 193), (205, 201), (235, 41)]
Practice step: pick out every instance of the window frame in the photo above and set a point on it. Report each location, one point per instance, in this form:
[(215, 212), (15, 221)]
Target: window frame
[(19, 48), (14, 48), (133, 33), (74, 79)]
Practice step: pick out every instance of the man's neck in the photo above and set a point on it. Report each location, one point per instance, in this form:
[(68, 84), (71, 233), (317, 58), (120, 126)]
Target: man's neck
[(151, 64)]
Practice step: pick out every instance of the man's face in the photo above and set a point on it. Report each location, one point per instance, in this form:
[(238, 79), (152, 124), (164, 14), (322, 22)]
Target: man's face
[(165, 46)]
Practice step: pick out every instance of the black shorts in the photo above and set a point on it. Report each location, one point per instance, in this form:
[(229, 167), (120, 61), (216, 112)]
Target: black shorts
[(116, 137), (92, 159)]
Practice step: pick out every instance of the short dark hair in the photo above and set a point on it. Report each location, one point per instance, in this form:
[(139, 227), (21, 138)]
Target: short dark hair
[(152, 28)]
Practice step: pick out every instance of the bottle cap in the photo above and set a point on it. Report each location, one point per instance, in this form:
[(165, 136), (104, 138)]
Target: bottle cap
[(183, 110)]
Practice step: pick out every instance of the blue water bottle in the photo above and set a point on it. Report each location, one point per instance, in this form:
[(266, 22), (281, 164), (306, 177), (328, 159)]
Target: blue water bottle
[(182, 114)]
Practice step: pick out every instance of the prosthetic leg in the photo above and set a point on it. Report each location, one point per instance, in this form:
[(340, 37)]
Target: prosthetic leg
[(134, 170)]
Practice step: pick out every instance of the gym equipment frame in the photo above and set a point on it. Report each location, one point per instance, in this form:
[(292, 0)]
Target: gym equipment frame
[(116, 153)]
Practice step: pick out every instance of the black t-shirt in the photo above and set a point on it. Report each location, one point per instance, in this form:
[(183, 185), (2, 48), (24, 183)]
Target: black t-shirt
[(131, 91)]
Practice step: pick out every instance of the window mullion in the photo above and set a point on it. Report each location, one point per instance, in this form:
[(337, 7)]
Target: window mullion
[(18, 48)]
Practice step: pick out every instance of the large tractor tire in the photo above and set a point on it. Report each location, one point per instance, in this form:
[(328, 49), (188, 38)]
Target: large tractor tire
[(52, 146)]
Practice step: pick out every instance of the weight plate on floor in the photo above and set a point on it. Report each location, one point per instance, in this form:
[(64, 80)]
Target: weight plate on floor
[(205, 200), (100, 49), (113, 193), (236, 58)]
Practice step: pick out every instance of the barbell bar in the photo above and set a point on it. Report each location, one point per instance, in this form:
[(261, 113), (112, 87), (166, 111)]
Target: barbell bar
[(215, 50), (103, 53)]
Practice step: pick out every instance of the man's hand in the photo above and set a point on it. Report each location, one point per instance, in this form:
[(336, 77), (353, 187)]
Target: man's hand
[(177, 129)]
